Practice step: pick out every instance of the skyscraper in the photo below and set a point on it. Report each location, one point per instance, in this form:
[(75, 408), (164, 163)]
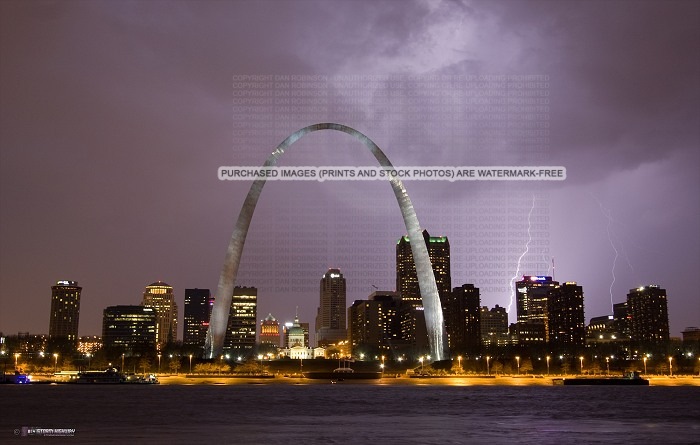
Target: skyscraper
[(494, 327), (129, 328), (465, 326), (160, 297), (198, 306), (566, 322), (373, 324), (270, 331), (648, 316), (532, 294), (242, 321), (621, 321), (411, 314), (330, 318), (406, 277), (65, 312)]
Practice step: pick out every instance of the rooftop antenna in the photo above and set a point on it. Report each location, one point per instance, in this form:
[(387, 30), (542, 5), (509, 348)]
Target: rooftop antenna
[(553, 277)]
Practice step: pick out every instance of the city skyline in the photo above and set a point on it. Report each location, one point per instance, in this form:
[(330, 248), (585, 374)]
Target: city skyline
[(115, 118), (181, 333)]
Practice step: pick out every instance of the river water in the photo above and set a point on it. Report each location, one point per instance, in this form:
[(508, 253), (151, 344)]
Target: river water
[(348, 413)]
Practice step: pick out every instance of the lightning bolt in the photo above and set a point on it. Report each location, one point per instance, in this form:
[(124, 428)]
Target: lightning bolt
[(527, 248), (613, 239), (612, 244)]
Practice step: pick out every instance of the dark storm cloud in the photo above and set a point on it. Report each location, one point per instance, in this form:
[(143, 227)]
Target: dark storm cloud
[(115, 116), (623, 73)]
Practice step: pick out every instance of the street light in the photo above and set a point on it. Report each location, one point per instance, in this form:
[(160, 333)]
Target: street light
[(159, 355), (581, 358), (55, 362), (607, 364), (670, 366), (421, 364), (190, 363), (16, 357), (488, 370), (645, 364), (517, 358), (547, 365), (260, 357), (89, 356), (459, 360)]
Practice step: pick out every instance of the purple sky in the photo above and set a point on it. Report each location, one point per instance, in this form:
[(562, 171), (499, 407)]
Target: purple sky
[(116, 115)]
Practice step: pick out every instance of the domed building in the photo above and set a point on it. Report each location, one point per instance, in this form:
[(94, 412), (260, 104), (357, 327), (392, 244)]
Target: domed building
[(297, 347)]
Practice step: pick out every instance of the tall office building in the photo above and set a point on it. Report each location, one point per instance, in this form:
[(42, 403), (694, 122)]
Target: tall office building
[(198, 306), (411, 314), (242, 320), (330, 318), (270, 331), (373, 324), (565, 318), (494, 326), (414, 334), (65, 311), (621, 321), (129, 328), (465, 324), (532, 294), (159, 296), (648, 316), (406, 276)]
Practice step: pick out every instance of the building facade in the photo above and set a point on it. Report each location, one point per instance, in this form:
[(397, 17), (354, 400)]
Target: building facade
[(406, 276), (621, 321), (373, 324), (242, 321), (465, 327), (411, 315), (129, 328), (198, 306), (160, 297), (532, 293), (296, 342), (287, 329), (65, 312), (648, 316), (270, 331), (566, 320), (494, 327), (331, 315)]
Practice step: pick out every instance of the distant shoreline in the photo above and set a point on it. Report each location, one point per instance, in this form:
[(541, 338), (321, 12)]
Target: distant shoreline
[(389, 379), (406, 380)]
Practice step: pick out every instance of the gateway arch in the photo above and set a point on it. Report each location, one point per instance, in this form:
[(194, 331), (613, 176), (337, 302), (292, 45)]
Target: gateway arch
[(434, 321)]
